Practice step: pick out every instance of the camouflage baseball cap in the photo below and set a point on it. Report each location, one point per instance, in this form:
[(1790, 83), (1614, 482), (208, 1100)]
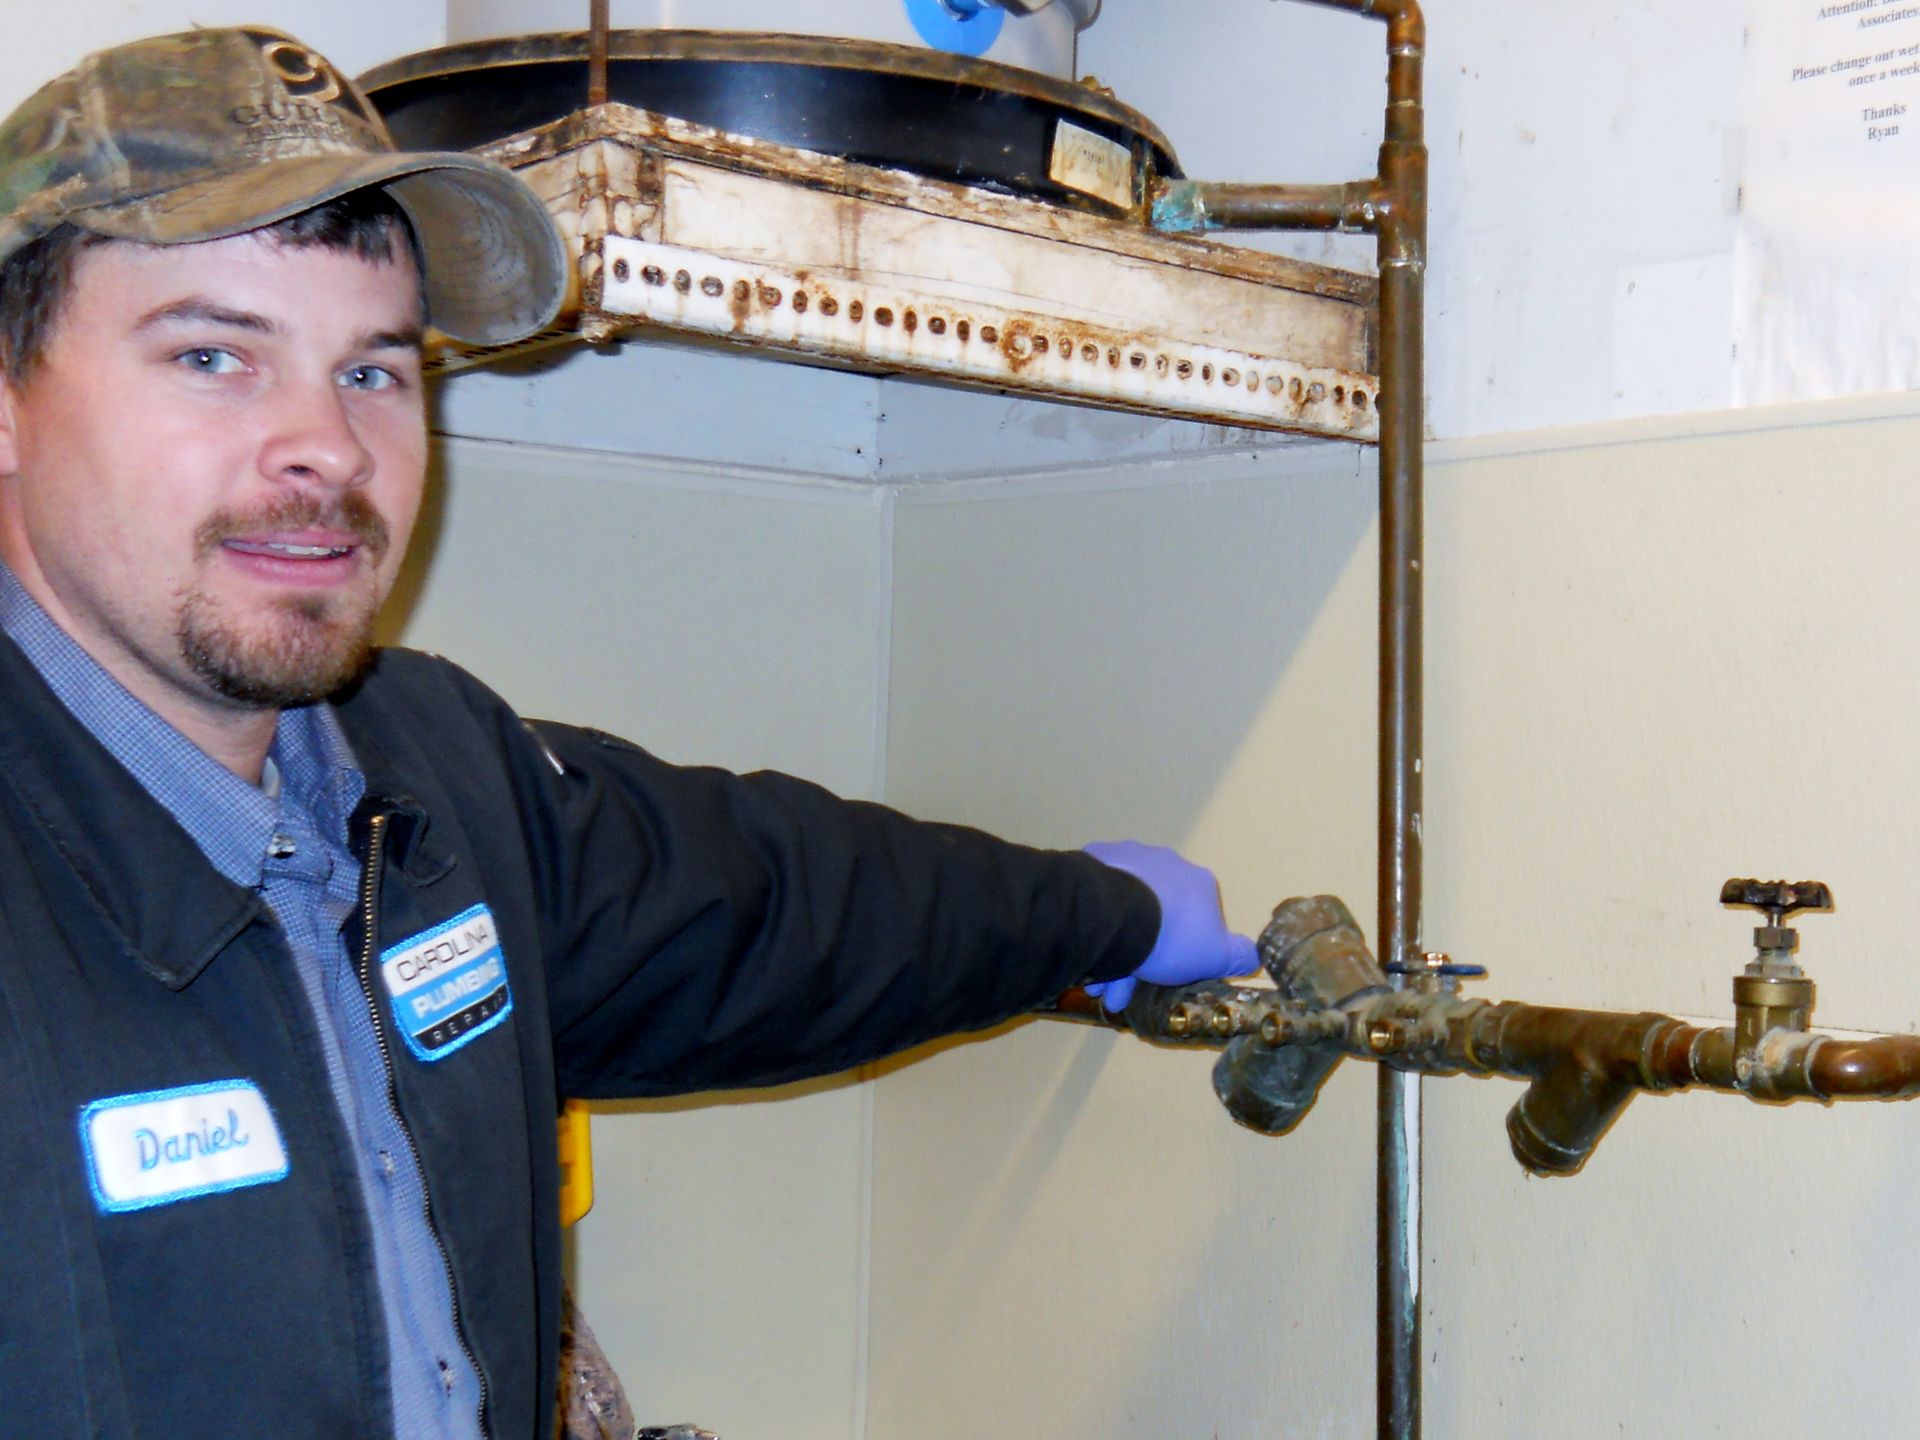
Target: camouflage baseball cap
[(214, 132)]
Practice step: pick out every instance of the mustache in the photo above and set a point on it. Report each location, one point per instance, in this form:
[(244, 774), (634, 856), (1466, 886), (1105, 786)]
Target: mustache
[(351, 513)]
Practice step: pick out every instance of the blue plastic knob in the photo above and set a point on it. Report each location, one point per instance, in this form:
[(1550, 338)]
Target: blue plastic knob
[(960, 27)]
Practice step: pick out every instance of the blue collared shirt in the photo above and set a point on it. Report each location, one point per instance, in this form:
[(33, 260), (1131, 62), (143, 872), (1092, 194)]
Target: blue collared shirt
[(291, 846)]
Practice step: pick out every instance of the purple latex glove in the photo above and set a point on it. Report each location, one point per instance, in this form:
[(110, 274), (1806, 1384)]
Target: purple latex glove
[(1194, 942)]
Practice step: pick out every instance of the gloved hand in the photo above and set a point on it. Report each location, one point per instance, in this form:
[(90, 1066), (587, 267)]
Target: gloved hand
[(1194, 942)]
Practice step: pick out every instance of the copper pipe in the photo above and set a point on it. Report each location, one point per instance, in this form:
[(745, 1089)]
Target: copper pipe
[(1393, 206), (1650, 1049), (1396, 211), (599, 24), (1584, 1064), (1887, 1067), (1710, 1059), (1182, 205), (1401, 235)]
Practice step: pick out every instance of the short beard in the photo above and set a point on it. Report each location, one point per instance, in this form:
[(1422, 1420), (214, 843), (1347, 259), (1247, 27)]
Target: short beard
[(311, 646), (307, 655)]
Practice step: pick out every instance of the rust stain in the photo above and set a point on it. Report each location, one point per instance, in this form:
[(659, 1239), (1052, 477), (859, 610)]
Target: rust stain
[(871, 324), (1016, 344)]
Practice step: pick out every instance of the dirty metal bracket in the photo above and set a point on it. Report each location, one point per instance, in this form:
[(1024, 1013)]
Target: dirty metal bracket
[(951, 330)]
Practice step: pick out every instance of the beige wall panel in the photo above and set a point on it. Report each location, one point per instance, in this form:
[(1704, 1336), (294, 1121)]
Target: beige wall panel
[(717, 617), (1070, 1238), (1658, 657), (714, 618), (1719, 1269)]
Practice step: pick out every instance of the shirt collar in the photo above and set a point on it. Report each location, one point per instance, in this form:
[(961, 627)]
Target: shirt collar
[(230, 820)]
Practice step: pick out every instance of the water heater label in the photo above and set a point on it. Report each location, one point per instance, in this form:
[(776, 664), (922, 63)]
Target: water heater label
[(1092, 164)]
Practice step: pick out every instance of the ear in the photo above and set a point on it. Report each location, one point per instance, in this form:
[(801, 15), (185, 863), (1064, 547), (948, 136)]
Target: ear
[(9, 427)]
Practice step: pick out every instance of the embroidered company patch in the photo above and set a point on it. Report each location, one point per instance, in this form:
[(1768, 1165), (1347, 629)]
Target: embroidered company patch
[(167, 1145), (448, 984)]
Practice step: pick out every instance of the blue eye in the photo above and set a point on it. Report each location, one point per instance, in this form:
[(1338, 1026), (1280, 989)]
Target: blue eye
[(209, 360), (369, 377)]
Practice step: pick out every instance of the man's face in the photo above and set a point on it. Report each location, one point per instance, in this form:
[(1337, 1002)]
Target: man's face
[(211, 476)]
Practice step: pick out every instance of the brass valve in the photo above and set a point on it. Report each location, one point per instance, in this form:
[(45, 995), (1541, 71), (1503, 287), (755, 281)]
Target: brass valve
[(1331, 1000), (1772, 993)]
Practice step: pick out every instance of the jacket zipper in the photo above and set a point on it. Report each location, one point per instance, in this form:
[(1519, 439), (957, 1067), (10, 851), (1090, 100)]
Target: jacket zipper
[(370, 931)]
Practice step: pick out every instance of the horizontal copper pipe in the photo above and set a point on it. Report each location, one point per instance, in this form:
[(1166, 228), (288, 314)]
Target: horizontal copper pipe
[(1886, 1067), (1584, 1065), (1192, 206)]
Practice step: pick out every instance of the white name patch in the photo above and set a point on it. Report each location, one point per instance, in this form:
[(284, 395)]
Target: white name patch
[(166, 1145), (448, 984)]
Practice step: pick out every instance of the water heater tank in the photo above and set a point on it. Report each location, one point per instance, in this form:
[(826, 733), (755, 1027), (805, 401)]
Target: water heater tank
[(1033, 34)]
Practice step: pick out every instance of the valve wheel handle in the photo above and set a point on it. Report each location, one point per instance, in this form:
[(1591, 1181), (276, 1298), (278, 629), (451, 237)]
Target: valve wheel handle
[(1779, 898)]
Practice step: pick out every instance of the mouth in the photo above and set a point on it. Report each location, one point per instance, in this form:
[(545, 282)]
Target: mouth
[(301, 557), (298, 542), (289, 550)]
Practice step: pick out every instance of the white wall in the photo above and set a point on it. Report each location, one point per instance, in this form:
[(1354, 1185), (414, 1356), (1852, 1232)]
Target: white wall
[(1584, 168), (43, 40)]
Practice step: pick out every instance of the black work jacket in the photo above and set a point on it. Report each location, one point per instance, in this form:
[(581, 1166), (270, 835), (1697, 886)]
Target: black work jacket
[(664, 930)]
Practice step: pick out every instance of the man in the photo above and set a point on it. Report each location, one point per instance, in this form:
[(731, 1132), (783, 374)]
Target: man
[(300, 944)]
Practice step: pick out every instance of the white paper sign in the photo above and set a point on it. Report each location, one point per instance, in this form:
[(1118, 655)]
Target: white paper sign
[(1827, 268)]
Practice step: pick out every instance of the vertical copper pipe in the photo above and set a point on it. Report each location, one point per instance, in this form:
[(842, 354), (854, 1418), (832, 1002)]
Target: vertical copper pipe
[(1402, 237), (1394, 206), (599, 23)]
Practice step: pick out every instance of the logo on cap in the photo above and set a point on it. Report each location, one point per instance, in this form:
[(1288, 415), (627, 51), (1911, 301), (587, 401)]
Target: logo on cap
[(306, 74), (303, 73)]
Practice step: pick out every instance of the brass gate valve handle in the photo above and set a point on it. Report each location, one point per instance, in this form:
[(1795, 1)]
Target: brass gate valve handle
[(1779, 898), (1772, 993)]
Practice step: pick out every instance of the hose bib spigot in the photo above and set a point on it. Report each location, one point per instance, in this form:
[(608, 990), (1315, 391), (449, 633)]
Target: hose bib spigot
[(1773, 992)]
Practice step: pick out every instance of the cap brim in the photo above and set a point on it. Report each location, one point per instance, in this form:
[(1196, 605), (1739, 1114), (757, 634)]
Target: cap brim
[(496, 267)]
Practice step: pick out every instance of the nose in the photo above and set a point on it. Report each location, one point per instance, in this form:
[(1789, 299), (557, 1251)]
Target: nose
[(312, 439)]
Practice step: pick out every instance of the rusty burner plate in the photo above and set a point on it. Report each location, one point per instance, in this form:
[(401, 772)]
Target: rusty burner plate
[(944, 117)]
